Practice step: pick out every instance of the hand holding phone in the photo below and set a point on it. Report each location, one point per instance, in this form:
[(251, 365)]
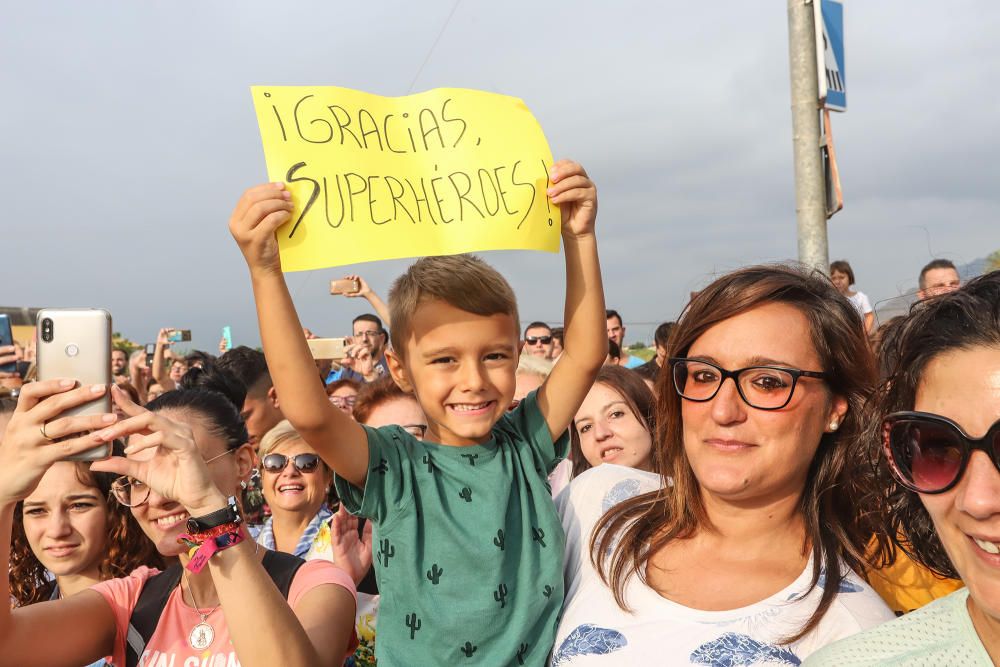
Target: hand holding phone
[(27, 450), (76, 344)]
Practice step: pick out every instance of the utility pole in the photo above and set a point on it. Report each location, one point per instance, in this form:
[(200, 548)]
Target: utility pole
[(810, 180)]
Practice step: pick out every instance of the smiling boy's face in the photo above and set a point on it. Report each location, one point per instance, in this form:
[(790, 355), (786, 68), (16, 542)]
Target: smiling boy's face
[(461, 368)]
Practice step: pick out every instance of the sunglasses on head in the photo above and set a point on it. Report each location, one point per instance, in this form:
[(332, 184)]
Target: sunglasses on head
[(929, 453), (534, 340), (275, 463)]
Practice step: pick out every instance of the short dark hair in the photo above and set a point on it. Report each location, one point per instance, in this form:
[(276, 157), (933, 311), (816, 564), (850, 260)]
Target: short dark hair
[(662, 334), (935, 264), (613, 313), (966, 318), (841, 266), (248, 366), (557, 333), (120, 349), (537, 325), (368, 317)]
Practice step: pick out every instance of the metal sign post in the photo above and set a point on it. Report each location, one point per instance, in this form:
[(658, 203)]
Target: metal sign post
[(810, 180)]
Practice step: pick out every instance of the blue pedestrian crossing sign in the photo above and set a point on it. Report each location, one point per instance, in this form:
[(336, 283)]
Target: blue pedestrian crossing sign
[(830, 55)]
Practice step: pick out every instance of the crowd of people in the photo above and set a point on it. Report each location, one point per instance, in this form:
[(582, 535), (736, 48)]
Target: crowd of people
[(456, 489)]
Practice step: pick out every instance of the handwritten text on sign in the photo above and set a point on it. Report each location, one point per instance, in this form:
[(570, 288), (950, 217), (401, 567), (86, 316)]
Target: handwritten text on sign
[(437, 173)]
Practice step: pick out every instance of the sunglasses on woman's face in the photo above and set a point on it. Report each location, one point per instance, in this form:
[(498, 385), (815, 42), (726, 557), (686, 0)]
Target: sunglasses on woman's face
[(275, 463), (929, 453)]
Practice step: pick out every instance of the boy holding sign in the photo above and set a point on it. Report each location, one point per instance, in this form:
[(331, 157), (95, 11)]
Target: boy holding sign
[(468, 545)]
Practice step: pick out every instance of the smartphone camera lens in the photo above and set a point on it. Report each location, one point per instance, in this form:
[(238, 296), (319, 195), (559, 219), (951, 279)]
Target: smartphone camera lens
[(47, 330)]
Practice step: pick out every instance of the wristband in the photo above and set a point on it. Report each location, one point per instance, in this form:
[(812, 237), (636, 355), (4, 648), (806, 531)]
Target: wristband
[(228, 514), (208, 548)]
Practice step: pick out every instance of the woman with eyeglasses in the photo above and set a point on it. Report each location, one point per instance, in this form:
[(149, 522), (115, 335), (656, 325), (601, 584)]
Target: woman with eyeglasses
[(343, 394), (937, 418), (296, 484), (744, 548), (226, 602)]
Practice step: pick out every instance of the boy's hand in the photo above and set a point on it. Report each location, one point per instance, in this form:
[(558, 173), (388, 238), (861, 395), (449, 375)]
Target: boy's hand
[(576, 196), (258, 213)]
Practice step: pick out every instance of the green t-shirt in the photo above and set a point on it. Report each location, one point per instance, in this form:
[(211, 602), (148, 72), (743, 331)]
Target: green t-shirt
[(940, 633), (468, 547)]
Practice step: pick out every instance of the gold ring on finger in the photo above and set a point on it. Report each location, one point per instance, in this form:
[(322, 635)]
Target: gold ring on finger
[(44, 434)]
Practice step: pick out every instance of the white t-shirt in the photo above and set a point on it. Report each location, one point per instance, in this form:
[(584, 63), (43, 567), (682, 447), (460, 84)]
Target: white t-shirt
[(594, 631), (861, 302)]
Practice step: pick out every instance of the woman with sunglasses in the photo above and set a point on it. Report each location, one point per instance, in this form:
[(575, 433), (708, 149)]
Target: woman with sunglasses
[(937, 417), (187, 458), (743, 549), (296, 485)]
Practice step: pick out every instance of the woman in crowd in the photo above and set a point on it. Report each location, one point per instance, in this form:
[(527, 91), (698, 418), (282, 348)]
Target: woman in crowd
[(296, 484), (938, 419), (187, 457), (842, 276), (70, 534), (615, 423), (382, 403), (343, 394), (741, 550), (72, 527)]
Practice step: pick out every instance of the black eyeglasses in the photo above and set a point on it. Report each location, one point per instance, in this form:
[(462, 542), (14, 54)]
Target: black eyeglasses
[(929, 453), (534, 340), (275, 463), (761, 387)]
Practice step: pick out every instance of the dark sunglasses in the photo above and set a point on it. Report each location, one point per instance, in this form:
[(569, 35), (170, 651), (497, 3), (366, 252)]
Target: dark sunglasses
[(929, 453), (534, 340), (275, 463)]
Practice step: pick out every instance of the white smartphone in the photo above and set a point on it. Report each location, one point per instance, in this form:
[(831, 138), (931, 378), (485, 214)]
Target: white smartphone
[(76, 343)]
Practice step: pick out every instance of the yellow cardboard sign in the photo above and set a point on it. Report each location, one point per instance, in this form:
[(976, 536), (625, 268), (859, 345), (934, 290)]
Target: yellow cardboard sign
[(438, 173)]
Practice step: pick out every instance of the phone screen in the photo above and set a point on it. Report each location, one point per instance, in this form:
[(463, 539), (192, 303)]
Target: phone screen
[(6, 338)]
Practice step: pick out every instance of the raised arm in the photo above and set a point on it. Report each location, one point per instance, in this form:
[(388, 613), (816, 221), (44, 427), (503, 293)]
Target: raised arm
[(161, 374), (585, 342), (338, 439), (374, 299), (84, 623)]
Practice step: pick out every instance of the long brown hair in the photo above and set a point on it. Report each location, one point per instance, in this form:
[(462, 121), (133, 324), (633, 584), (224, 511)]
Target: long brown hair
[(627, 536), (127, 547)]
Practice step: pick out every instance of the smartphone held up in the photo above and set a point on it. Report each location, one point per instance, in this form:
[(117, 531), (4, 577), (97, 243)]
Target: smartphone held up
[(345, 286), (179, 335), (76, 343)]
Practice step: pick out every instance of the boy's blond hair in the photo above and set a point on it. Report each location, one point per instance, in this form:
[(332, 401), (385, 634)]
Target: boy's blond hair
[(462, 281)]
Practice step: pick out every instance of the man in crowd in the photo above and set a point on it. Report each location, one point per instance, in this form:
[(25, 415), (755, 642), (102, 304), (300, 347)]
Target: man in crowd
[(369, 334), (260, 408), (939, 277), (538, 340), (616, 332), (651, 368), (119, 362)]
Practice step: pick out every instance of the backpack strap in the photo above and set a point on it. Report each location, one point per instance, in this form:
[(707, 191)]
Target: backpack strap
[(281, 567), (146, 614)]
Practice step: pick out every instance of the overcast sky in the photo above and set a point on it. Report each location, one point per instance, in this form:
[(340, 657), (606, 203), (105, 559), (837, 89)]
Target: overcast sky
[(129, 133)]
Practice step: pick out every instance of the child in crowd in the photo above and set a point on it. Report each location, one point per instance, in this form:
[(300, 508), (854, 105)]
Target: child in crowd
[(469, 549)]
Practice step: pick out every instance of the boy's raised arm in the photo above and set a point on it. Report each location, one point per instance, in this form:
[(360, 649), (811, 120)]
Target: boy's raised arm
[(340, 441), (585, 343)]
